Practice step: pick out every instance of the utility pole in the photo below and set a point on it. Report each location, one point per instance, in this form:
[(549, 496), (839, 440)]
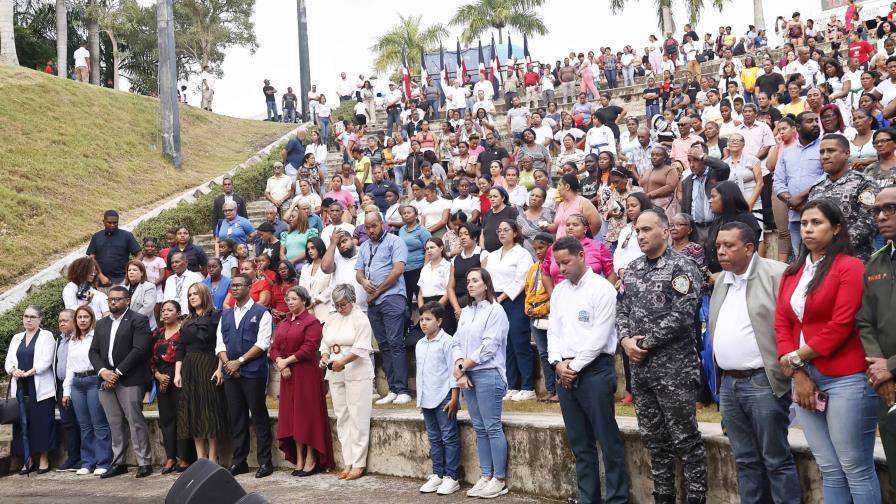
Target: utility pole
[(304, 69), (169, 107)]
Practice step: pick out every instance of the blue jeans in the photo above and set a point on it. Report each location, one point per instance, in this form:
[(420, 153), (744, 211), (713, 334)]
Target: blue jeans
[(399, 172), (589, 418), (289, 115), (611, 78), (541, 342), (69, 425), (749, 97), (443, 440), (484, 404), (520, 361), (324, 128), (628, 75), (842, 437), (387, 320), (272, 110), (796, 240), (393, 117), (652, 110), (434, 105), (96, 438), (757, 423)]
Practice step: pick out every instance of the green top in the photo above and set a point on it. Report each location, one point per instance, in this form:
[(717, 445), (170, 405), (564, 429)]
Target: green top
[(877, 316), (295, 242)]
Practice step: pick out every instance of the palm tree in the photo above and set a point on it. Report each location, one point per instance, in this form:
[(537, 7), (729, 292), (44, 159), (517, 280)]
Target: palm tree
[(407, 34), (664, 11), (93, 43), (758, 15), (482, 15), (61, 39), (7, 33)]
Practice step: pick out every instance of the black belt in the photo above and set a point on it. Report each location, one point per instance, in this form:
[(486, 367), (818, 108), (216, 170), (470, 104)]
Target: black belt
[(741, 374), (85, 374)]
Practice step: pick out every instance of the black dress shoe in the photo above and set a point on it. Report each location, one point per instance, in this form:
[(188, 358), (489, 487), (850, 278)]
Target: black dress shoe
[(144, 471), (264, 471), (168, 470), (45, 470), (298, 472), (237, 469), (181, 468), (311, 472), (116, 470)]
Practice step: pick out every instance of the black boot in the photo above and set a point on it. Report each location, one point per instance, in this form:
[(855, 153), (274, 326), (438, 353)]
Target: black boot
[(700, 499), (663, 498)]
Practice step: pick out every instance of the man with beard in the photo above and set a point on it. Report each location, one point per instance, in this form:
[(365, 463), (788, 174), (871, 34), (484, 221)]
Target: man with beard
[(797, 170), (339, 260)]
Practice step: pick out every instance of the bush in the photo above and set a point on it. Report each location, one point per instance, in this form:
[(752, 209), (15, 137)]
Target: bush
[(197, 216), (48, 297)]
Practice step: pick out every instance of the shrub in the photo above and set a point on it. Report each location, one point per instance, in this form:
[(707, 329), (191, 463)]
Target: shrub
[(48, 297)]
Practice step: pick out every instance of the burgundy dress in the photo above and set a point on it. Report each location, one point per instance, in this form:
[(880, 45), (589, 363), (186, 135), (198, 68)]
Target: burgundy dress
[(303, 408)]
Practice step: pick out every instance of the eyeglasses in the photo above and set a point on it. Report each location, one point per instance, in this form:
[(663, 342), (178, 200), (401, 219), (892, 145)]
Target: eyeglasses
[(888, 210), (881, 141), (735, 140), (341, 305), (30, 317)]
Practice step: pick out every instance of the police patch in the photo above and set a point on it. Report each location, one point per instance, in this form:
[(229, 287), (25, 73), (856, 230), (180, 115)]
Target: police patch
[(681, 284), (866, 198)]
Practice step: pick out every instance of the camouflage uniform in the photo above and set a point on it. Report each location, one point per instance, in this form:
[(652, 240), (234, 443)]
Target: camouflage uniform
[(659, 303), (854, 194)]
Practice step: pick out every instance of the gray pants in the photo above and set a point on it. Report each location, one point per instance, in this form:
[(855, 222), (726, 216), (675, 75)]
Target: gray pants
[(124, 410)]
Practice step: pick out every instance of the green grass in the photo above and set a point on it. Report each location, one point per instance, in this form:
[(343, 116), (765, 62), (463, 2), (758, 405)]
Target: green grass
[(69, 151)]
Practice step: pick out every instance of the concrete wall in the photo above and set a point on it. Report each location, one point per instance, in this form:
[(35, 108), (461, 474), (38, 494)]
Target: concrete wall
[(540, 462)]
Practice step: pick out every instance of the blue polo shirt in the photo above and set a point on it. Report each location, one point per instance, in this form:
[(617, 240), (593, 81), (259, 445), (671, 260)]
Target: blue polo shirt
[(237, 230), (378, 192), (375, 259), (113, 250)]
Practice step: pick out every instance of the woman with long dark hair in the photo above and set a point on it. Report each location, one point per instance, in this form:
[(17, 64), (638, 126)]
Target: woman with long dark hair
[(315, 281), (627, 248), (820, 348), (166, 340), (728, 204)]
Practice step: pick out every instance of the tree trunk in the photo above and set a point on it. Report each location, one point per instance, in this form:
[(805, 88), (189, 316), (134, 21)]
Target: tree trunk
[(61, 39), (116, 59), (8, 54), (93, 45), (500, 36), (668, 23), (758, 15), (169, 109)]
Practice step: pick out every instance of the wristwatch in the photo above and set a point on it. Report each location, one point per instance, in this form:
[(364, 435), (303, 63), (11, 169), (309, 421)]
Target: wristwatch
[(461, 367), (241, 360), (795, 361)]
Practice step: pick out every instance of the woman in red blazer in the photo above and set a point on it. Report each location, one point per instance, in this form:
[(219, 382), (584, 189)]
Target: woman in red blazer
[(819, 346)]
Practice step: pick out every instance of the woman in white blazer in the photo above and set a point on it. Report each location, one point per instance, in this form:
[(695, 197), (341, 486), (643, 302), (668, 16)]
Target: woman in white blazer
[(143, 292), (29, 361)]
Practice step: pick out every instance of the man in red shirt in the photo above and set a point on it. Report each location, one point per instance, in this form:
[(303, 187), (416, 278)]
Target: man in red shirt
[(530, 81), (891, 16), (860, 49)]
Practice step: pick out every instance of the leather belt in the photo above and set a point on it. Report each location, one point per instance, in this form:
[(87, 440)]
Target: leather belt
[(741, 374), (85, 374)]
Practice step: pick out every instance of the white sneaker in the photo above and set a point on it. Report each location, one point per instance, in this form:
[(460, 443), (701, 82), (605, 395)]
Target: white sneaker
[(448, 486), (524, 395), (493, 489), (390, 397), (402, 399), (432, 484), (82, 471), (478, 487), (509, 395), (100, 471)]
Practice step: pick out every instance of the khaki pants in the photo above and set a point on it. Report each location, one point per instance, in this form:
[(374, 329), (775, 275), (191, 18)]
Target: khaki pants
[(694, 68), (352, 404), (82, 74), (207, 96), (532, 96)]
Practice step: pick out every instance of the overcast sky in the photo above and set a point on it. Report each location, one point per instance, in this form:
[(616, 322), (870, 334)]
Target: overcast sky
[(340, 33)]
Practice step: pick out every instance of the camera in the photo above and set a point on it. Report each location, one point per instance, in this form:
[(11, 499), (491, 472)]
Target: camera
[(83, 291)]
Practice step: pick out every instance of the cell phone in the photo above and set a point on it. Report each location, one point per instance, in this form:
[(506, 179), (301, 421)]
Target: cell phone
[(821, 401)]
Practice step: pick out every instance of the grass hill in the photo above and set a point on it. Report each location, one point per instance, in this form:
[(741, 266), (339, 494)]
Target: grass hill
[(69, 151)]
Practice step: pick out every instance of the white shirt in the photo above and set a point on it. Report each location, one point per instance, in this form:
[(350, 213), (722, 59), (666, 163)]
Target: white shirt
[(734, 342), (344, 88), (543, 132), (486, 87), (263, 341), (582, 324), (808, 69), (487, 105), (209, 79), (509, 272), (458, 97), (465, 205), (518, 196), (434, 279), (185, 281), (329, 229), (599, 140), (78, 361), (81, 56), (360, 109), (626, 252), (432, 212), (393, 97), (798, 299), (887, 89), (98, 302), (344, 273), (116, 321)]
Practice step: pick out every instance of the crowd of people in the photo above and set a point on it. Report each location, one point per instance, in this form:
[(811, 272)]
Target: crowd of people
[(586, 231)]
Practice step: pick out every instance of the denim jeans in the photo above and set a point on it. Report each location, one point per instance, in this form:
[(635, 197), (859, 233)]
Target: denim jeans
[(387, 319), (652, 110), (796, 240), (444, 442), (289, 115), (272, 110), (757, 422), (842, 437), (548, 95), (541, 342), (393, 117), (628, 75), (399, 172), (484, 403), (520, 361), (611, 78), (324, 128), (96, 438), (69, 425), (589, 418), (434, 105)]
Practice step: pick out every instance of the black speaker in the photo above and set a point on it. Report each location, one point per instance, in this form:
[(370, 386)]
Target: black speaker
[(205, 482), (252, 498)]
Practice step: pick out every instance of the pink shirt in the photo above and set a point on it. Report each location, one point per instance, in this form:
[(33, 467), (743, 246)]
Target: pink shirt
[(343, 197), (597, 255), (564, 210), (680, 147)]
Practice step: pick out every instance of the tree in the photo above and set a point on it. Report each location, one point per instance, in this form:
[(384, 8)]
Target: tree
[(664, 11), (407, 34), (93, 42), (482, 15), (205, 28), (61, 39), (758, 15), (112, 18), (7, 33)]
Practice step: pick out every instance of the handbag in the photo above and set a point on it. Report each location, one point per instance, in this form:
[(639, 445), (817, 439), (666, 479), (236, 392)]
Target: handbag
[(9, 407)]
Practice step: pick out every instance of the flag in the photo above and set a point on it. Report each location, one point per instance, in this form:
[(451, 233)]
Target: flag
[(495, 70), (526, 55), (461, 70), (482, 71), (407, 72), (511, 59), (443, 77), (423, 73)]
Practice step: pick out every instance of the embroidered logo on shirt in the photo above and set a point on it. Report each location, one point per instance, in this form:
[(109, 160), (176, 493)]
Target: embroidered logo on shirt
[(681, 284), (254, 319), (866, 198), (584, 317)]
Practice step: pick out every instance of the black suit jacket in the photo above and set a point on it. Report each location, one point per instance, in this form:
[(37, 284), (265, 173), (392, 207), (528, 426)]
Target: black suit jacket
[(717, 171), (131, 352), (218, 212)]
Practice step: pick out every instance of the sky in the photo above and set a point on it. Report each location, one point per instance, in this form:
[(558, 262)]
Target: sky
[(340, 33)]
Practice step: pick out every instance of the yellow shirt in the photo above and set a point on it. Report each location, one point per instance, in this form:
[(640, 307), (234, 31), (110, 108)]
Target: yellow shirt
[(793, 107), (748, 78), (361, 166)]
